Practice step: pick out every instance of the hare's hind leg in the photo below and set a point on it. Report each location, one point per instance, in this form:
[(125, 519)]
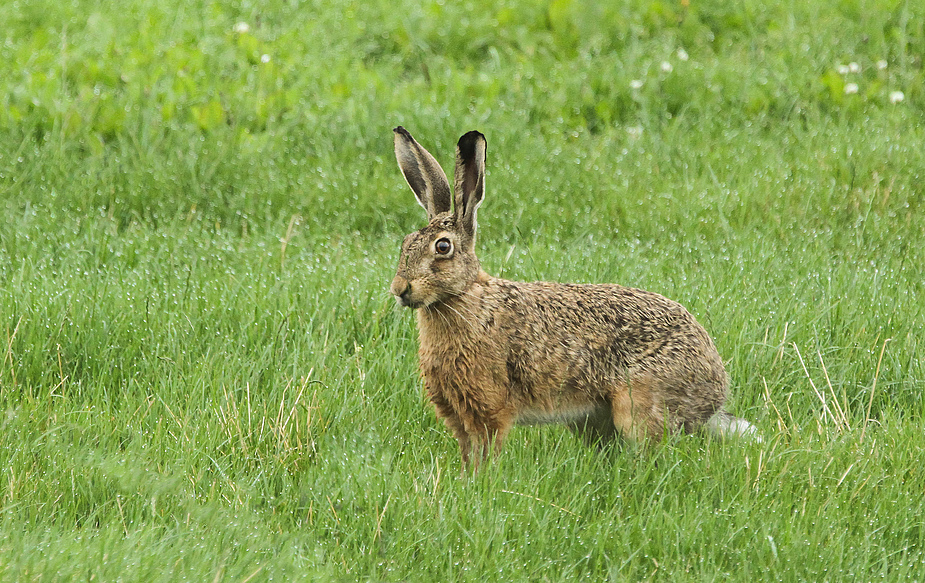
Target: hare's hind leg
[(634, 415)]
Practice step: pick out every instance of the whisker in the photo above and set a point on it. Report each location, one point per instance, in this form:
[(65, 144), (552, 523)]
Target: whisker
[(433, 310), (465, 320), (471, 310)]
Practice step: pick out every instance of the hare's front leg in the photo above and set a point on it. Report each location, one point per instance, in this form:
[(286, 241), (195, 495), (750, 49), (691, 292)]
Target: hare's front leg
[(490, 438), (495, 435), (484, 433), (487, 437), (478, 419), (462, 437), (446, 412)]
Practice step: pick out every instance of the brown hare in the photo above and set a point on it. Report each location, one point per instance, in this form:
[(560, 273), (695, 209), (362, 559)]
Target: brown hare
[(604, 359)]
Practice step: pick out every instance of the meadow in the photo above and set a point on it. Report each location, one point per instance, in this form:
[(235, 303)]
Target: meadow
[(203, 376)]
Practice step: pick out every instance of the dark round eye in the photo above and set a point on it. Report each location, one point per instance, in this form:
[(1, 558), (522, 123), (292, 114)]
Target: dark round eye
[(443, 246)]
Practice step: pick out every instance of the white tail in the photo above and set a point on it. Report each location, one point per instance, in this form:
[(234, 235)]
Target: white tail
[(724, 425)]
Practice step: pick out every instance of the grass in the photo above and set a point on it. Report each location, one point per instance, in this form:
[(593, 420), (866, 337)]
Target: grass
[(202, 375)]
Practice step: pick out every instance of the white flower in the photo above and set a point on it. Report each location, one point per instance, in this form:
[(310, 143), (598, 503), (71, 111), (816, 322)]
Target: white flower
[(242, 27), (897, 96), (634, 132), (666, 67), (682, 55), (264, 58), (882, 64), (842, 69), (851, 88), (636, 84), (854, 67)]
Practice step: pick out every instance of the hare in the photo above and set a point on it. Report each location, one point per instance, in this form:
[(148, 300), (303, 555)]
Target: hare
[(604, 359)]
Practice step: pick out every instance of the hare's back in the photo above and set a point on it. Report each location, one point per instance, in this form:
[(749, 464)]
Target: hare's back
[(602, 305), (626, 322)]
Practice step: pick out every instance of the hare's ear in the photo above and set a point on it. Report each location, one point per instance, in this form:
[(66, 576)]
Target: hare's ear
[(424, 175), (470, 179)]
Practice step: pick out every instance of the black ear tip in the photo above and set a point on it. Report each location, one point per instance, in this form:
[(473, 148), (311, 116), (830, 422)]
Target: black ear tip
[(468, 142), (401, 130), (472, 136)]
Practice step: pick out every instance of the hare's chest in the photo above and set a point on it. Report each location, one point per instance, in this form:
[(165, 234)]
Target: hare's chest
[(461, 363), (453, 359)]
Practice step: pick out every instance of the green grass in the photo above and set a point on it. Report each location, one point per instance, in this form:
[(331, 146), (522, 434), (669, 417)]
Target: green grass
[(202, 374)]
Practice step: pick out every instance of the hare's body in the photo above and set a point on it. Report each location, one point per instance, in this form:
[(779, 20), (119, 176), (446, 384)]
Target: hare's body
[(602, 358), (597, 357)]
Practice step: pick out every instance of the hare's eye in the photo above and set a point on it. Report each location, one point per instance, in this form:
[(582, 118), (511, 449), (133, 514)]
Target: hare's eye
[(443, 246)]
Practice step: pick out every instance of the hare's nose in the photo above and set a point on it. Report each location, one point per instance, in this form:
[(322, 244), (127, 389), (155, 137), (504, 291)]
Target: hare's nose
[(400, 286)]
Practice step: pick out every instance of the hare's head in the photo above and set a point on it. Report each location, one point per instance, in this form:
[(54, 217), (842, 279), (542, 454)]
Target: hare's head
[(439, 262)]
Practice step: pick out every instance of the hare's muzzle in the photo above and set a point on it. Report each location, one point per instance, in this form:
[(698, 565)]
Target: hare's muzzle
[(401, 289)]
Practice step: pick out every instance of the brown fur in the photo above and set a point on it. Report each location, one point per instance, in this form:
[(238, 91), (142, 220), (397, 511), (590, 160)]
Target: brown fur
[(604, 359)]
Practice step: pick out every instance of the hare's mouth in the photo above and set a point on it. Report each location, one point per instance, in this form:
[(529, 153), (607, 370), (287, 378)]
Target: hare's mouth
[(401, 289), (407, 302)]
